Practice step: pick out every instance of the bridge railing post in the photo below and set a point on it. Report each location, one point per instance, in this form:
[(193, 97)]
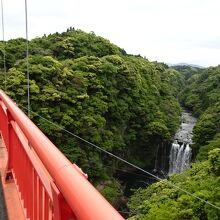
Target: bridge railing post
[(11, 145), (4, 124), (8, 134), (62, 210)]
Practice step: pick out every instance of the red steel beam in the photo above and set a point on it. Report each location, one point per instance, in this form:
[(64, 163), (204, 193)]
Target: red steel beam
[(85, 201)]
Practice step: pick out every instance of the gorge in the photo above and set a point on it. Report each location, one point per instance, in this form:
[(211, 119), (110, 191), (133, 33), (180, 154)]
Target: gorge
[(130, 107)]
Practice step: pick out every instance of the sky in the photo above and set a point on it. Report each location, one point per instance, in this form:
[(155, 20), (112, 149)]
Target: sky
[(170, 31)]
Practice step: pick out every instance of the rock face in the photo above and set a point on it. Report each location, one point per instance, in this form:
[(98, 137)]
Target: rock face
[(180, 153)]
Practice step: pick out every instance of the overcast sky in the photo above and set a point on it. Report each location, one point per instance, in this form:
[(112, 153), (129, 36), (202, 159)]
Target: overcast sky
[(170, 31)]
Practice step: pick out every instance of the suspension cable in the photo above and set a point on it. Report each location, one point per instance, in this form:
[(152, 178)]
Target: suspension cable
[(123, 160), (27, 60), (4, 44)]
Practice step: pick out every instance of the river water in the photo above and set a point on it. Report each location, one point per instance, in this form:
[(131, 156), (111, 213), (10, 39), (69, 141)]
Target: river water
[(184, 133), (180, 153)]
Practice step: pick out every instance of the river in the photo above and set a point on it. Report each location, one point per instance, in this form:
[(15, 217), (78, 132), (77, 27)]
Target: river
[(184, 133)]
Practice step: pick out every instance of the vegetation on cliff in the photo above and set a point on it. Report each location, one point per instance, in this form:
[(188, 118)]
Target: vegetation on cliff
[(164, 201), (126, 105), (202, 96), (123, 103)]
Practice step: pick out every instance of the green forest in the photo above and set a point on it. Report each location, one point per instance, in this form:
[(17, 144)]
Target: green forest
[(126, 105), (201, 94)]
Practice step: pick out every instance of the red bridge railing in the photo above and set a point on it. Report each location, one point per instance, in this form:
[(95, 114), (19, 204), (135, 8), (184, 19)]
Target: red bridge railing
[(49, 185)]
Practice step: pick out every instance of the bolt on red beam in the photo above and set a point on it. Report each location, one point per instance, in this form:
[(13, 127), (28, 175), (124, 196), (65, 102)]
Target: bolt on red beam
[(84, 200)]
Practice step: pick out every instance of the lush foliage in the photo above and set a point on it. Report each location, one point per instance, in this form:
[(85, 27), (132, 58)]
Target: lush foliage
[(123, 103), (202, 96), (163, 201), (187, 71), (126, 105)]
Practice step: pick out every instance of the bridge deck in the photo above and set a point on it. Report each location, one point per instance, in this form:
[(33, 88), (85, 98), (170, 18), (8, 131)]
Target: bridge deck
[(3, 214), (9, 198)]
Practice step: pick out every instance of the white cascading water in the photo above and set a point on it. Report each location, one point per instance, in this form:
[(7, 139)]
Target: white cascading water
[(186, 158), (180, 157)]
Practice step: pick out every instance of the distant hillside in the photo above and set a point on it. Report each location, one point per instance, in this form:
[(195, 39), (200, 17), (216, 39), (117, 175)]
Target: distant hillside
[(187, 64), (187, 70)]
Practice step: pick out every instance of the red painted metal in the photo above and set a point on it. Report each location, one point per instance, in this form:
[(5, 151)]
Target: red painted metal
[(50, 186)]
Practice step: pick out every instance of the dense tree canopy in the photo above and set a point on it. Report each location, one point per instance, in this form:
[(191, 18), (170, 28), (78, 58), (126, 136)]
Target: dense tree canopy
[(187, 71), (126, 105), (164, 201), (202, 96), (123, 103)]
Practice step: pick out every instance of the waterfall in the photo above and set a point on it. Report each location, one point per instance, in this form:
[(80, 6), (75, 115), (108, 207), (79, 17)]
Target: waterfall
[(180, 154), (186, 158), (179, 159)]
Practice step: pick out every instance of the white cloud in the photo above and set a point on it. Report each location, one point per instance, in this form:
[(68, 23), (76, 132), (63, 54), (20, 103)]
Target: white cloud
[(169, 31)]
